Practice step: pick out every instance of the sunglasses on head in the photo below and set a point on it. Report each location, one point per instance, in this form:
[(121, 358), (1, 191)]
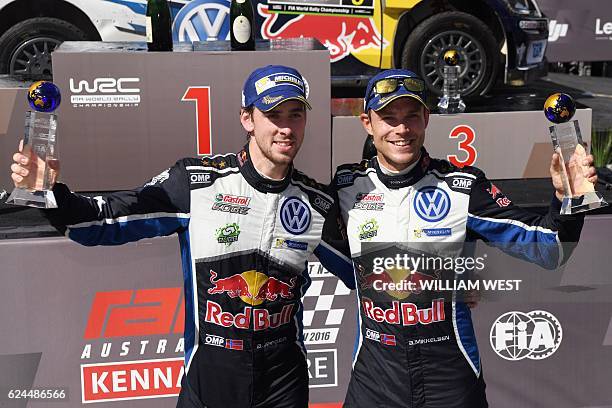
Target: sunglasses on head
[(388, 85)]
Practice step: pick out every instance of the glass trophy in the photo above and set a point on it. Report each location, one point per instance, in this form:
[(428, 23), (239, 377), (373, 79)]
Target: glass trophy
[(450, 101), (578, 193), (40, 140)]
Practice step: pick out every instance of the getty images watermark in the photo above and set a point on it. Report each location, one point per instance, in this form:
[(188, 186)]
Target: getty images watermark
[(383, 277)]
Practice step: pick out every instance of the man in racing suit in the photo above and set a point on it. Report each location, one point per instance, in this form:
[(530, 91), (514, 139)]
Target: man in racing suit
[(247, 224), (419, 349)]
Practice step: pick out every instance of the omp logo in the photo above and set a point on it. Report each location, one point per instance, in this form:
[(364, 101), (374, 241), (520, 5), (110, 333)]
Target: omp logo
[(344, 179), (556, 30), (535, 335), (213, 340), (199, 178), (105, 92), (202, 20), (462, 183), (432, 204), (135, 313), (295, 216), (322, 203)]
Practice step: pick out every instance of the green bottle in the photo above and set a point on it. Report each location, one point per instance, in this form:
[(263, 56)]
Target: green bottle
[(242, 25), (159, 25)]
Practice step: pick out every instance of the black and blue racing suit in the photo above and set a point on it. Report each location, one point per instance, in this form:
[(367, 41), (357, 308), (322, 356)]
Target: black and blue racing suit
[(419, 349), (245, 241)]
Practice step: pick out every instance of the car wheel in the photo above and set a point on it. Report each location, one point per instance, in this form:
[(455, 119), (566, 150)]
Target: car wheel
[(479, 55), (25, 48)]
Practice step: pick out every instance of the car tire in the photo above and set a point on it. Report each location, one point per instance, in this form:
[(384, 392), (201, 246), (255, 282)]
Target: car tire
[(25, 48), (479, 54)]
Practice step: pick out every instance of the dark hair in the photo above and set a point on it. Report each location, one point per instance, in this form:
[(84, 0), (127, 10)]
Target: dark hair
[(249, 110), (369, 150)]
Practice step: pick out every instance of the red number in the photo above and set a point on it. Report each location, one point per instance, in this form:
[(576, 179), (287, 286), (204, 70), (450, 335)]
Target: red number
[(464, 145), (201, 96)]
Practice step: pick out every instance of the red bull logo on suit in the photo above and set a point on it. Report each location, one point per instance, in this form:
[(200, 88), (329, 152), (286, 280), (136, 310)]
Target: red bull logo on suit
[(253, 288)]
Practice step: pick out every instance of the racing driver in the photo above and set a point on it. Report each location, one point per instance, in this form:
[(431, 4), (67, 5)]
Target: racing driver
[(247, 224), (424, 354)]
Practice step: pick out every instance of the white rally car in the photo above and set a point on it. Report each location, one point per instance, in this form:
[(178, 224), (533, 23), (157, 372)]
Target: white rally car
[(31, 29)]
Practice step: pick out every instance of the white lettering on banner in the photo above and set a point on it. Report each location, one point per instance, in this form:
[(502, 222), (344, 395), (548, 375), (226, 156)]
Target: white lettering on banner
[(98, 382), (316, 269), (320, 336), (100, 99), (322, 368), (105, 92), (104, 85), (605, 29), (131, 380), (109, 350), (556, 30)]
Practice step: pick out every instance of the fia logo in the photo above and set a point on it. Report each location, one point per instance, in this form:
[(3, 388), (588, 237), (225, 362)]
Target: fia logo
[(201, 20), (535, 335)]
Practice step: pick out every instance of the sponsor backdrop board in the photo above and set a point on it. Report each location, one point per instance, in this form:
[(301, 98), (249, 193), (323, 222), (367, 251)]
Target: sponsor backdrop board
[(505, 145), (105, 324), (578, 30), (127, 114)]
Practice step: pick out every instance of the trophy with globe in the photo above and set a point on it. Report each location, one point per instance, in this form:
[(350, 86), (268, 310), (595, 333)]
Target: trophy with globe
[(40, 140), (450, 101), (579, 193)]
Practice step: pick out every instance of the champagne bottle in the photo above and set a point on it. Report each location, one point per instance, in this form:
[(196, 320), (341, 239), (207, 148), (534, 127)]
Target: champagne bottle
[(159, 25), (241, 25)]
